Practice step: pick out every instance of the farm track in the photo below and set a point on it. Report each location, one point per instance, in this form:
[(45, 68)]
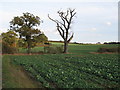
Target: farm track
[(23, 54), (16, 77)]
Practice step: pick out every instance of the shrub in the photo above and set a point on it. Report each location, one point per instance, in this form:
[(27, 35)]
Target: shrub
[(47, 43), (53, 49), (6, 48), (40, 52), (116, 49)]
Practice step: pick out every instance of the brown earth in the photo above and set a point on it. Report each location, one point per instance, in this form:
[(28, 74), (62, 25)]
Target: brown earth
[(103, 53)]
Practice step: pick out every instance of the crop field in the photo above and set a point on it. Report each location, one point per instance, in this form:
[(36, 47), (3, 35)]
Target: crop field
[(68, 71), (78, 69), (73, 48)]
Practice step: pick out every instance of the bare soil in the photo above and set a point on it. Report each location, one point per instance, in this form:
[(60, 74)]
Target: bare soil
[(23, 54), (103, 53)]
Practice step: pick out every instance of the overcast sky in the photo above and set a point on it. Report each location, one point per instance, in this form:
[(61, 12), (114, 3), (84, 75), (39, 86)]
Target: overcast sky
[(95, 21)]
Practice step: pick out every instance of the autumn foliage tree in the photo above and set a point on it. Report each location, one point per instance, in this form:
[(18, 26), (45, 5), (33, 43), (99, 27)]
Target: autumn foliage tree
[(9, 40), (63, 26), (9, 37), (26, 27)]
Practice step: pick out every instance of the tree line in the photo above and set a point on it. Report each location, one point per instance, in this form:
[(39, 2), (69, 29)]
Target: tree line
[(111, 42)]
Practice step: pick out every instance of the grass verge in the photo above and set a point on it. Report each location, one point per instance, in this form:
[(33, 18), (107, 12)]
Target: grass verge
[(15, 77)]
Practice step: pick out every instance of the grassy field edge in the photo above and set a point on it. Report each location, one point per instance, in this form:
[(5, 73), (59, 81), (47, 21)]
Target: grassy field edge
[(14, 76)]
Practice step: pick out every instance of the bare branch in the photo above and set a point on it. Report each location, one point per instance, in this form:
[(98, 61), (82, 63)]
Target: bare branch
[(63, 16), (56, 21), (72, 13), (52, 19), (67, 14), (63, 19), (61, 31), (70, 38)]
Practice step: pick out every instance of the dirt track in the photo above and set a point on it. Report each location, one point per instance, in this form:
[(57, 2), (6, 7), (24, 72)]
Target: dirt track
[(23, 54)]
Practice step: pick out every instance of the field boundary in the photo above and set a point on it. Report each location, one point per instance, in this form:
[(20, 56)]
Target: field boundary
[(103, 53), (17, 77)]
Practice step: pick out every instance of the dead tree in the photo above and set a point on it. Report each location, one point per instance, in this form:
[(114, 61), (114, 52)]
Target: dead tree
[(63, 26)]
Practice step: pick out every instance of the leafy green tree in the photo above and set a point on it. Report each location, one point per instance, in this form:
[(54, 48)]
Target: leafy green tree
[(21, 43), (9, 37), (41, 38), (6, 48), (9, 40), (26, 26)]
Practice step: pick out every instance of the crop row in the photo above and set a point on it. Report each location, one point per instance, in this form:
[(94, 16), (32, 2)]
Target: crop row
[(67, 71)]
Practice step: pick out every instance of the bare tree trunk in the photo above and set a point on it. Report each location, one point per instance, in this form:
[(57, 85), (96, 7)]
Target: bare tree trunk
[(65, 47), (29, 48)]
